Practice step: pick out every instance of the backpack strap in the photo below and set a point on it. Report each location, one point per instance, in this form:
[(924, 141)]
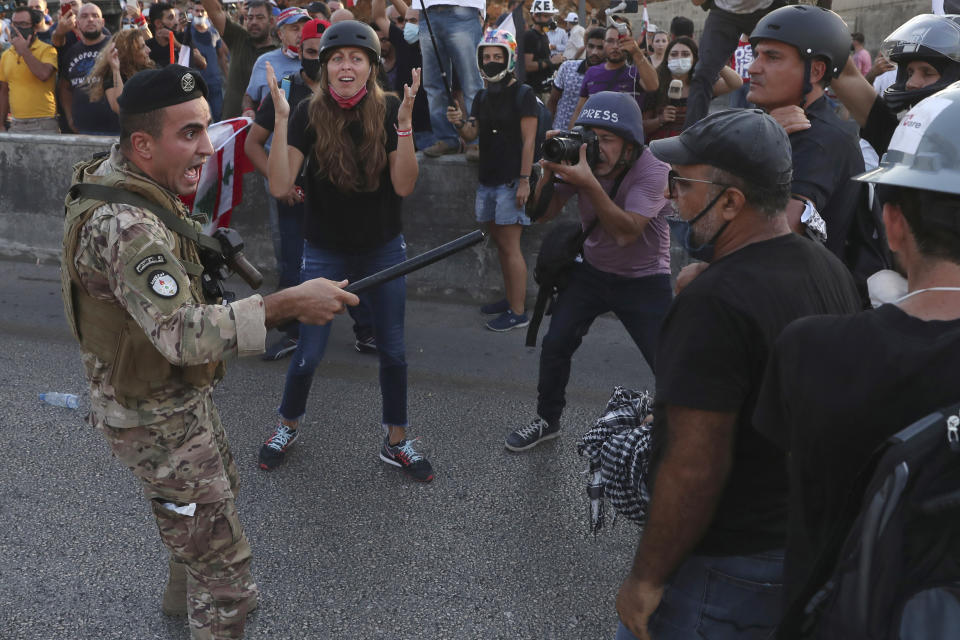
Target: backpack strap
[(171, 220)]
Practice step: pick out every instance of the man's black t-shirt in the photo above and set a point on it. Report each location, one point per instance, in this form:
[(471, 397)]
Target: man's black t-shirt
[(825, 157), (408, 59), (351, 221), (881, 123), (537, 43), (501, 142), (711, 356), (835, 389), (160, 52), (88, 117), (299, 91)]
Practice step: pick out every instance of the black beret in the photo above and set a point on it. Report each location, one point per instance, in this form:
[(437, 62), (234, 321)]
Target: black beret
[(153, 89)]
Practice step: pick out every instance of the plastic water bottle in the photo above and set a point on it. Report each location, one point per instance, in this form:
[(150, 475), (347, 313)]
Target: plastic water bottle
[(67, 400)]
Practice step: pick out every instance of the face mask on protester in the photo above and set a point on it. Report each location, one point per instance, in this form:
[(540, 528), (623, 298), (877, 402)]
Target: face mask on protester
[(679, 66), (292, 52), (200, 21), (493, 69), (704, 251), (311, 68), (411, 33)]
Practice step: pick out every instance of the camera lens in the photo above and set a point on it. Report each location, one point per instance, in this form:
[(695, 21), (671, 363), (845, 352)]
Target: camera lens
[(553, 150)]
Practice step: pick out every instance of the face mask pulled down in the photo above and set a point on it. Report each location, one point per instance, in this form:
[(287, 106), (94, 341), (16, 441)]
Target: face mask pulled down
[(706, 250)]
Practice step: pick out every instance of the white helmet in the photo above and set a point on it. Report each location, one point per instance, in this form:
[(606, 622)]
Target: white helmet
[(543, 6)]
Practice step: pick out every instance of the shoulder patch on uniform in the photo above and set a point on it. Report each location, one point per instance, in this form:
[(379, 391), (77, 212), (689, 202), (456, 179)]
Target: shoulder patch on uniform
[(163, 284), (149, 261)]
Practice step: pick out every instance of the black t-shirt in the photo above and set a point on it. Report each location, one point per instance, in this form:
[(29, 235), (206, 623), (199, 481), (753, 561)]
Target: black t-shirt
[(160, 53), (346, 221), (712, 351), (408, 59), (825, 157), (881, 123), (88, 117), (537, 43), (501, 142), (835, 389)]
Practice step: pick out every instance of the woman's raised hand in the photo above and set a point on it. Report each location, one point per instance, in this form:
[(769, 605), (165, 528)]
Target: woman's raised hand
[(405, 114), (281, 107)]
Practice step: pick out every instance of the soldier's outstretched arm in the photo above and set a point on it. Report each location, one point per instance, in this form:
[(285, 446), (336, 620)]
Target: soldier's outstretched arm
[(312, 302)]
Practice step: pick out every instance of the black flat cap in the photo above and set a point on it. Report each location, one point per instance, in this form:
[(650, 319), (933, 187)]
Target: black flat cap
[(744, 142), (153, 89)]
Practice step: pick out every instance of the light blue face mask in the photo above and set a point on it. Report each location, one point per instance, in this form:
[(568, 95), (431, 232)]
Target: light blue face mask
[(411, 33)]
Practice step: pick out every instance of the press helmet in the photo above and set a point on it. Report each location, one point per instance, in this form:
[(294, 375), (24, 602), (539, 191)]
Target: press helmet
[(928, 38), (504, 40), (924, 152), (616, 112), (350, 33), (543, 6), (814, 31)]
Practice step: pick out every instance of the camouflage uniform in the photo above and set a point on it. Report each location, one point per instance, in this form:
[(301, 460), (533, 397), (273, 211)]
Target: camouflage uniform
[(171, 438)]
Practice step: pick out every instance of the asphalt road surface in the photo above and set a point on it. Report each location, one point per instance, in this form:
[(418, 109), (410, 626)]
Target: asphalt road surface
[(344, 546)]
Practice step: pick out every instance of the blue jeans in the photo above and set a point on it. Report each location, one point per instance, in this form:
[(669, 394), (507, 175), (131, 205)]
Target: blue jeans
[(388, 304), (215, 100), (457, 31), (499, 205), (720, 598), (639, 303)]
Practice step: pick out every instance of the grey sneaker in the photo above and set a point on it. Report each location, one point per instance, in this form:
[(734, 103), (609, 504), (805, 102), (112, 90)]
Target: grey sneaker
[(531, 435), (441, 148)]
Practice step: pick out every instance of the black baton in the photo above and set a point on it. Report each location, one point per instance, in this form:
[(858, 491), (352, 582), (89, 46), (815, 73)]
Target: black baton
[(421, 261)]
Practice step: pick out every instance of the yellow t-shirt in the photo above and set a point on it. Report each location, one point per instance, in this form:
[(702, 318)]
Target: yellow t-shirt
[(29, 97)]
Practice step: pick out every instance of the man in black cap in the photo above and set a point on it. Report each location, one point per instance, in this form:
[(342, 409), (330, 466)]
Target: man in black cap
[(153, 340), (718, 488)]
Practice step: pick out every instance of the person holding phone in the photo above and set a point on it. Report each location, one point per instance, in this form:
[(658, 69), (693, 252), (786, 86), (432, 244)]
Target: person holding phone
[(616, 74), (28, 77), (354, 144)]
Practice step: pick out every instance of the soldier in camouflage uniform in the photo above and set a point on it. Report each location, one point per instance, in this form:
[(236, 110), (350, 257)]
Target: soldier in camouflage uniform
[(152, 346)]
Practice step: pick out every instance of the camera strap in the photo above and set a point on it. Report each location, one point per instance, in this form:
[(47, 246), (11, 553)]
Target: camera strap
[(172, 221)]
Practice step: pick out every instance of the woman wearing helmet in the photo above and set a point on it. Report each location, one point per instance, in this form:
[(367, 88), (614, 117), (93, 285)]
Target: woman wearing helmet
[(354, 145), (504, 116), (926, 50)]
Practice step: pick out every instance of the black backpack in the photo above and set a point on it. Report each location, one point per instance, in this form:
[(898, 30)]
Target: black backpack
[(896, 573)]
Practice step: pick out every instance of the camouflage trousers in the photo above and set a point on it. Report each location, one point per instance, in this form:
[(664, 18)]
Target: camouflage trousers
[(186, 459)]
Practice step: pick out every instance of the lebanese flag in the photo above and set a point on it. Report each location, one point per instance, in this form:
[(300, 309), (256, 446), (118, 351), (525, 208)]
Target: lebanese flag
[(220, 187), (514, 24), (645, 25)]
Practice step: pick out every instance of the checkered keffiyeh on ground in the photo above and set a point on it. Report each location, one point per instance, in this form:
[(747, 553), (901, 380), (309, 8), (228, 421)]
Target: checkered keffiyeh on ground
[(618, 447)]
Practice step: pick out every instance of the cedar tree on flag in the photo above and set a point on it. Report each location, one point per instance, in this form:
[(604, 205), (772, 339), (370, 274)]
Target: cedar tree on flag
[(220, 187)]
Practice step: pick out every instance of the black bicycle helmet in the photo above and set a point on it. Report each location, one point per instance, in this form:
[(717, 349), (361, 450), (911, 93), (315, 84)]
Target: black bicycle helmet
[(815, 32), (929, 38), (350, 33)]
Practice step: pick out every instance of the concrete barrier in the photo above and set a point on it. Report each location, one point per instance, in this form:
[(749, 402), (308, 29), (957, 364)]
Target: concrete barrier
[(35, 172)]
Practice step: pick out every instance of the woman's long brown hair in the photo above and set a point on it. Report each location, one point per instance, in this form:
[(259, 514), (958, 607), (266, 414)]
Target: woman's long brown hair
[(350, 167), (128, 50)]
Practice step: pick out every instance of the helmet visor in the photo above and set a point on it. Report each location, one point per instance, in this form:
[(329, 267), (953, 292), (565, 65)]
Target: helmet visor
[(939, 33)]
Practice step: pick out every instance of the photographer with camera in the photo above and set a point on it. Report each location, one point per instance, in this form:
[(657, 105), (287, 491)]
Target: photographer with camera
[(626, 254), (153, 334), (504, 117)]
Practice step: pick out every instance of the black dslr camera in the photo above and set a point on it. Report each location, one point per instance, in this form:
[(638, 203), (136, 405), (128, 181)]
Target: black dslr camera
[(565, 147)]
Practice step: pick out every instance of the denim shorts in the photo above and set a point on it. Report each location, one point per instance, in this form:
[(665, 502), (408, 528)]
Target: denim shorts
[(499, 204)]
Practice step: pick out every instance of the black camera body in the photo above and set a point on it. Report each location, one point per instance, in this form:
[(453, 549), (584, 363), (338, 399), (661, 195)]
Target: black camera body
[(565, 147)]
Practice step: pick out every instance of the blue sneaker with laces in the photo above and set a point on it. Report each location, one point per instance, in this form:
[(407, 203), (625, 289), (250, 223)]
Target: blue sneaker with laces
[(507, 321), (404, 455)]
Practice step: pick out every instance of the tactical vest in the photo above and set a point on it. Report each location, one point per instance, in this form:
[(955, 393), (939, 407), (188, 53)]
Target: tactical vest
[(103, 327)]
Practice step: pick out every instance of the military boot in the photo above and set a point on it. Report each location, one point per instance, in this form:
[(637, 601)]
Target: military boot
[(175, 595)]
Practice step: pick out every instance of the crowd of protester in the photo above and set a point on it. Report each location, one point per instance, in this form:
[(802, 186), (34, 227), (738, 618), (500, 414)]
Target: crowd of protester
[(765, 190)]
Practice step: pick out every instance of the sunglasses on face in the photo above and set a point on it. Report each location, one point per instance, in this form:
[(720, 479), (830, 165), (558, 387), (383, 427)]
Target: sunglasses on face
[(673, 177)]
